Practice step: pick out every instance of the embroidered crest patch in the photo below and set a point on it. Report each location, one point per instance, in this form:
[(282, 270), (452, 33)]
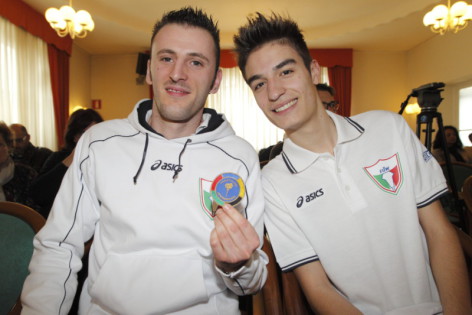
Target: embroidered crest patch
[(387, 174), (206, 199)]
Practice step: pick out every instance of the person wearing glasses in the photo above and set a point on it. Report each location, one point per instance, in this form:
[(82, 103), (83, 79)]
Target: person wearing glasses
[(326, 94), (24, 151)]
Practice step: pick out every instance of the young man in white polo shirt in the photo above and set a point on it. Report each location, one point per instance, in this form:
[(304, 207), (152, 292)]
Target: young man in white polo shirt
[(352, 203)]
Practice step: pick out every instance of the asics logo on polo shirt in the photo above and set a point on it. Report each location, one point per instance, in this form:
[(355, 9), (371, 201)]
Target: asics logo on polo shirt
[(310, 197), (166, 166)]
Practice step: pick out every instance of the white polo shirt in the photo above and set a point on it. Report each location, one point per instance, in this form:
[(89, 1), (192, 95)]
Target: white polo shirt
[(356, 212)]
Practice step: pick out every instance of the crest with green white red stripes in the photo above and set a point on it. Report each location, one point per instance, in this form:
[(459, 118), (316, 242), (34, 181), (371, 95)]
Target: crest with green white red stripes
[(387, 174)]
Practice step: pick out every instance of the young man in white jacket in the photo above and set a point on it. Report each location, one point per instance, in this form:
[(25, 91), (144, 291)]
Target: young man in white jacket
[(352, 203), (141, 187)]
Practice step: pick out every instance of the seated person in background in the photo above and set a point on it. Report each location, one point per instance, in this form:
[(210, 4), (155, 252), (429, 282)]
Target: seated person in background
[(326, 94), (351, 203), (44, 188), (15, 177), (24, 151), (457, 152)]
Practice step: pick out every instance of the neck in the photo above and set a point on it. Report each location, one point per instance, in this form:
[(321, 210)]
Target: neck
[(174, 129), (319, 135)]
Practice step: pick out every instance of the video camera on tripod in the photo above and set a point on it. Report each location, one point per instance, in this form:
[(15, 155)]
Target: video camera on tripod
[(429, 95), (429, 98)]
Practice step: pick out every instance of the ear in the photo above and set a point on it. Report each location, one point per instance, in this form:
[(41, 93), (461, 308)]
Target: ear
[(148, 72), (216, 83), (315, 71)]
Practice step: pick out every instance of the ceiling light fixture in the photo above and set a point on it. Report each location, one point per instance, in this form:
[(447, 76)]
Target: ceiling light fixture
[(67, 21), (442, 18)]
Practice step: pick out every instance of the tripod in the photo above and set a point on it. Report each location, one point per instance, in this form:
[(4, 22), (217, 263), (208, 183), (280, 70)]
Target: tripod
[(429, 99)]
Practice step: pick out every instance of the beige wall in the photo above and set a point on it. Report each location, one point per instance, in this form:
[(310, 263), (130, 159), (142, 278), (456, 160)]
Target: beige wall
[(378, 81), (447, 59), (383, 80), (79, 79), (113, 81)]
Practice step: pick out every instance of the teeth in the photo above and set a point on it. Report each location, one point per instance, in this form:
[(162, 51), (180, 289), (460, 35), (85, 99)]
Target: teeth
[(285, 106), (174, 91)]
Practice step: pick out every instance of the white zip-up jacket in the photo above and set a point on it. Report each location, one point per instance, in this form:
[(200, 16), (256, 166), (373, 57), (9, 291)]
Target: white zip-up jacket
[(146, 202)]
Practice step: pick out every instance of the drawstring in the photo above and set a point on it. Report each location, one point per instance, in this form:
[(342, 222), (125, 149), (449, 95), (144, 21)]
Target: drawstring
[(135, 178), (179, 168)]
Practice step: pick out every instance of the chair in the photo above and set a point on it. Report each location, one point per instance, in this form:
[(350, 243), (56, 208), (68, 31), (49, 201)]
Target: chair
[(461, 172), (18, 226)]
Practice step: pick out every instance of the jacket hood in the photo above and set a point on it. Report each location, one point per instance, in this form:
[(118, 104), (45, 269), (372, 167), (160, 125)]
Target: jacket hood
[(214, 126)]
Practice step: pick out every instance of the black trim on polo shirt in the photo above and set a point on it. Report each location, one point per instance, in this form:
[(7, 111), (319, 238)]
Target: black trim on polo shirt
[(288, 163), (432, 199), (299, 263), (355, 124)]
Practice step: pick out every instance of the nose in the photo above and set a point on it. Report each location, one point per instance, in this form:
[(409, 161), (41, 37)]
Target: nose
[(178, 72), (274, 90)]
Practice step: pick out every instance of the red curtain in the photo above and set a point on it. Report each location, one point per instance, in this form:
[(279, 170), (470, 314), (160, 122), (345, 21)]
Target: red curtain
[(59, 65), (341, 81), (59, 49), (339, 64)]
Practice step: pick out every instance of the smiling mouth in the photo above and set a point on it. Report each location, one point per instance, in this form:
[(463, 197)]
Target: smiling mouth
[(286, 106), (174, 91)]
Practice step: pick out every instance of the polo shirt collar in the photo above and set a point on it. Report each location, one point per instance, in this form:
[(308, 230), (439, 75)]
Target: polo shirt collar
[(297, 159)]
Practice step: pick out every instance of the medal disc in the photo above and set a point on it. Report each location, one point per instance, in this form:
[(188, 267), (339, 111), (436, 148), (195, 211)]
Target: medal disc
[(227, 188)]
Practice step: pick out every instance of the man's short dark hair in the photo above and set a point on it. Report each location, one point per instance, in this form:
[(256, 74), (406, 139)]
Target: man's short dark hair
[(327, 88), (261, 30), (191, 17)]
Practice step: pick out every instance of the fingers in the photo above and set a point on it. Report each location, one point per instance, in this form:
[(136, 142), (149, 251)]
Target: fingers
[(234, 239)]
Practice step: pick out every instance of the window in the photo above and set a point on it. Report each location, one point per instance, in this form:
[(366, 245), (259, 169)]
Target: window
[(25, 84), (465, 114)]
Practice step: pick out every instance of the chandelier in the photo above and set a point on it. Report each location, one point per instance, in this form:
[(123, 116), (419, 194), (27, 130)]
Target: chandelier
[(67, 21), (442, 18)]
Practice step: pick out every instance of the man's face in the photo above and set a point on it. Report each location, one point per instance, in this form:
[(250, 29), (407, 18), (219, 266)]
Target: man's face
[(20, 139), (328, 101), (283, 87), (181, 71)]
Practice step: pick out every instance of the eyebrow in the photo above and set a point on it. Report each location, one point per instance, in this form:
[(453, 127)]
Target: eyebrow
[(192, 54), (276, 67)]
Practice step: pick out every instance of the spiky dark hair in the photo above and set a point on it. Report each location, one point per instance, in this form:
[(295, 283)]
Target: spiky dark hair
[(191, 17), (261, 30)]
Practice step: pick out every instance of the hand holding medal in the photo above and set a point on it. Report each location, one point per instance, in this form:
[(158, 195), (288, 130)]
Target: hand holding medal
[(234, 239), (226, 188)]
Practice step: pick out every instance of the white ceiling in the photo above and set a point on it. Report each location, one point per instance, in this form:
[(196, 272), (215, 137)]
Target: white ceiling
[(124, 26)]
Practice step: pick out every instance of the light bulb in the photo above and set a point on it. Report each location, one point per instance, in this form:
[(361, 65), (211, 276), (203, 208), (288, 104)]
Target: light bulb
[(428, 19), (82, 17), (440, 12), (52, 15), (67, 12), (458, 9)]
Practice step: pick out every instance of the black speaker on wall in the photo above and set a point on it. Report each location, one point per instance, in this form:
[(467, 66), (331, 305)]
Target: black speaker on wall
[(141, 65)]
